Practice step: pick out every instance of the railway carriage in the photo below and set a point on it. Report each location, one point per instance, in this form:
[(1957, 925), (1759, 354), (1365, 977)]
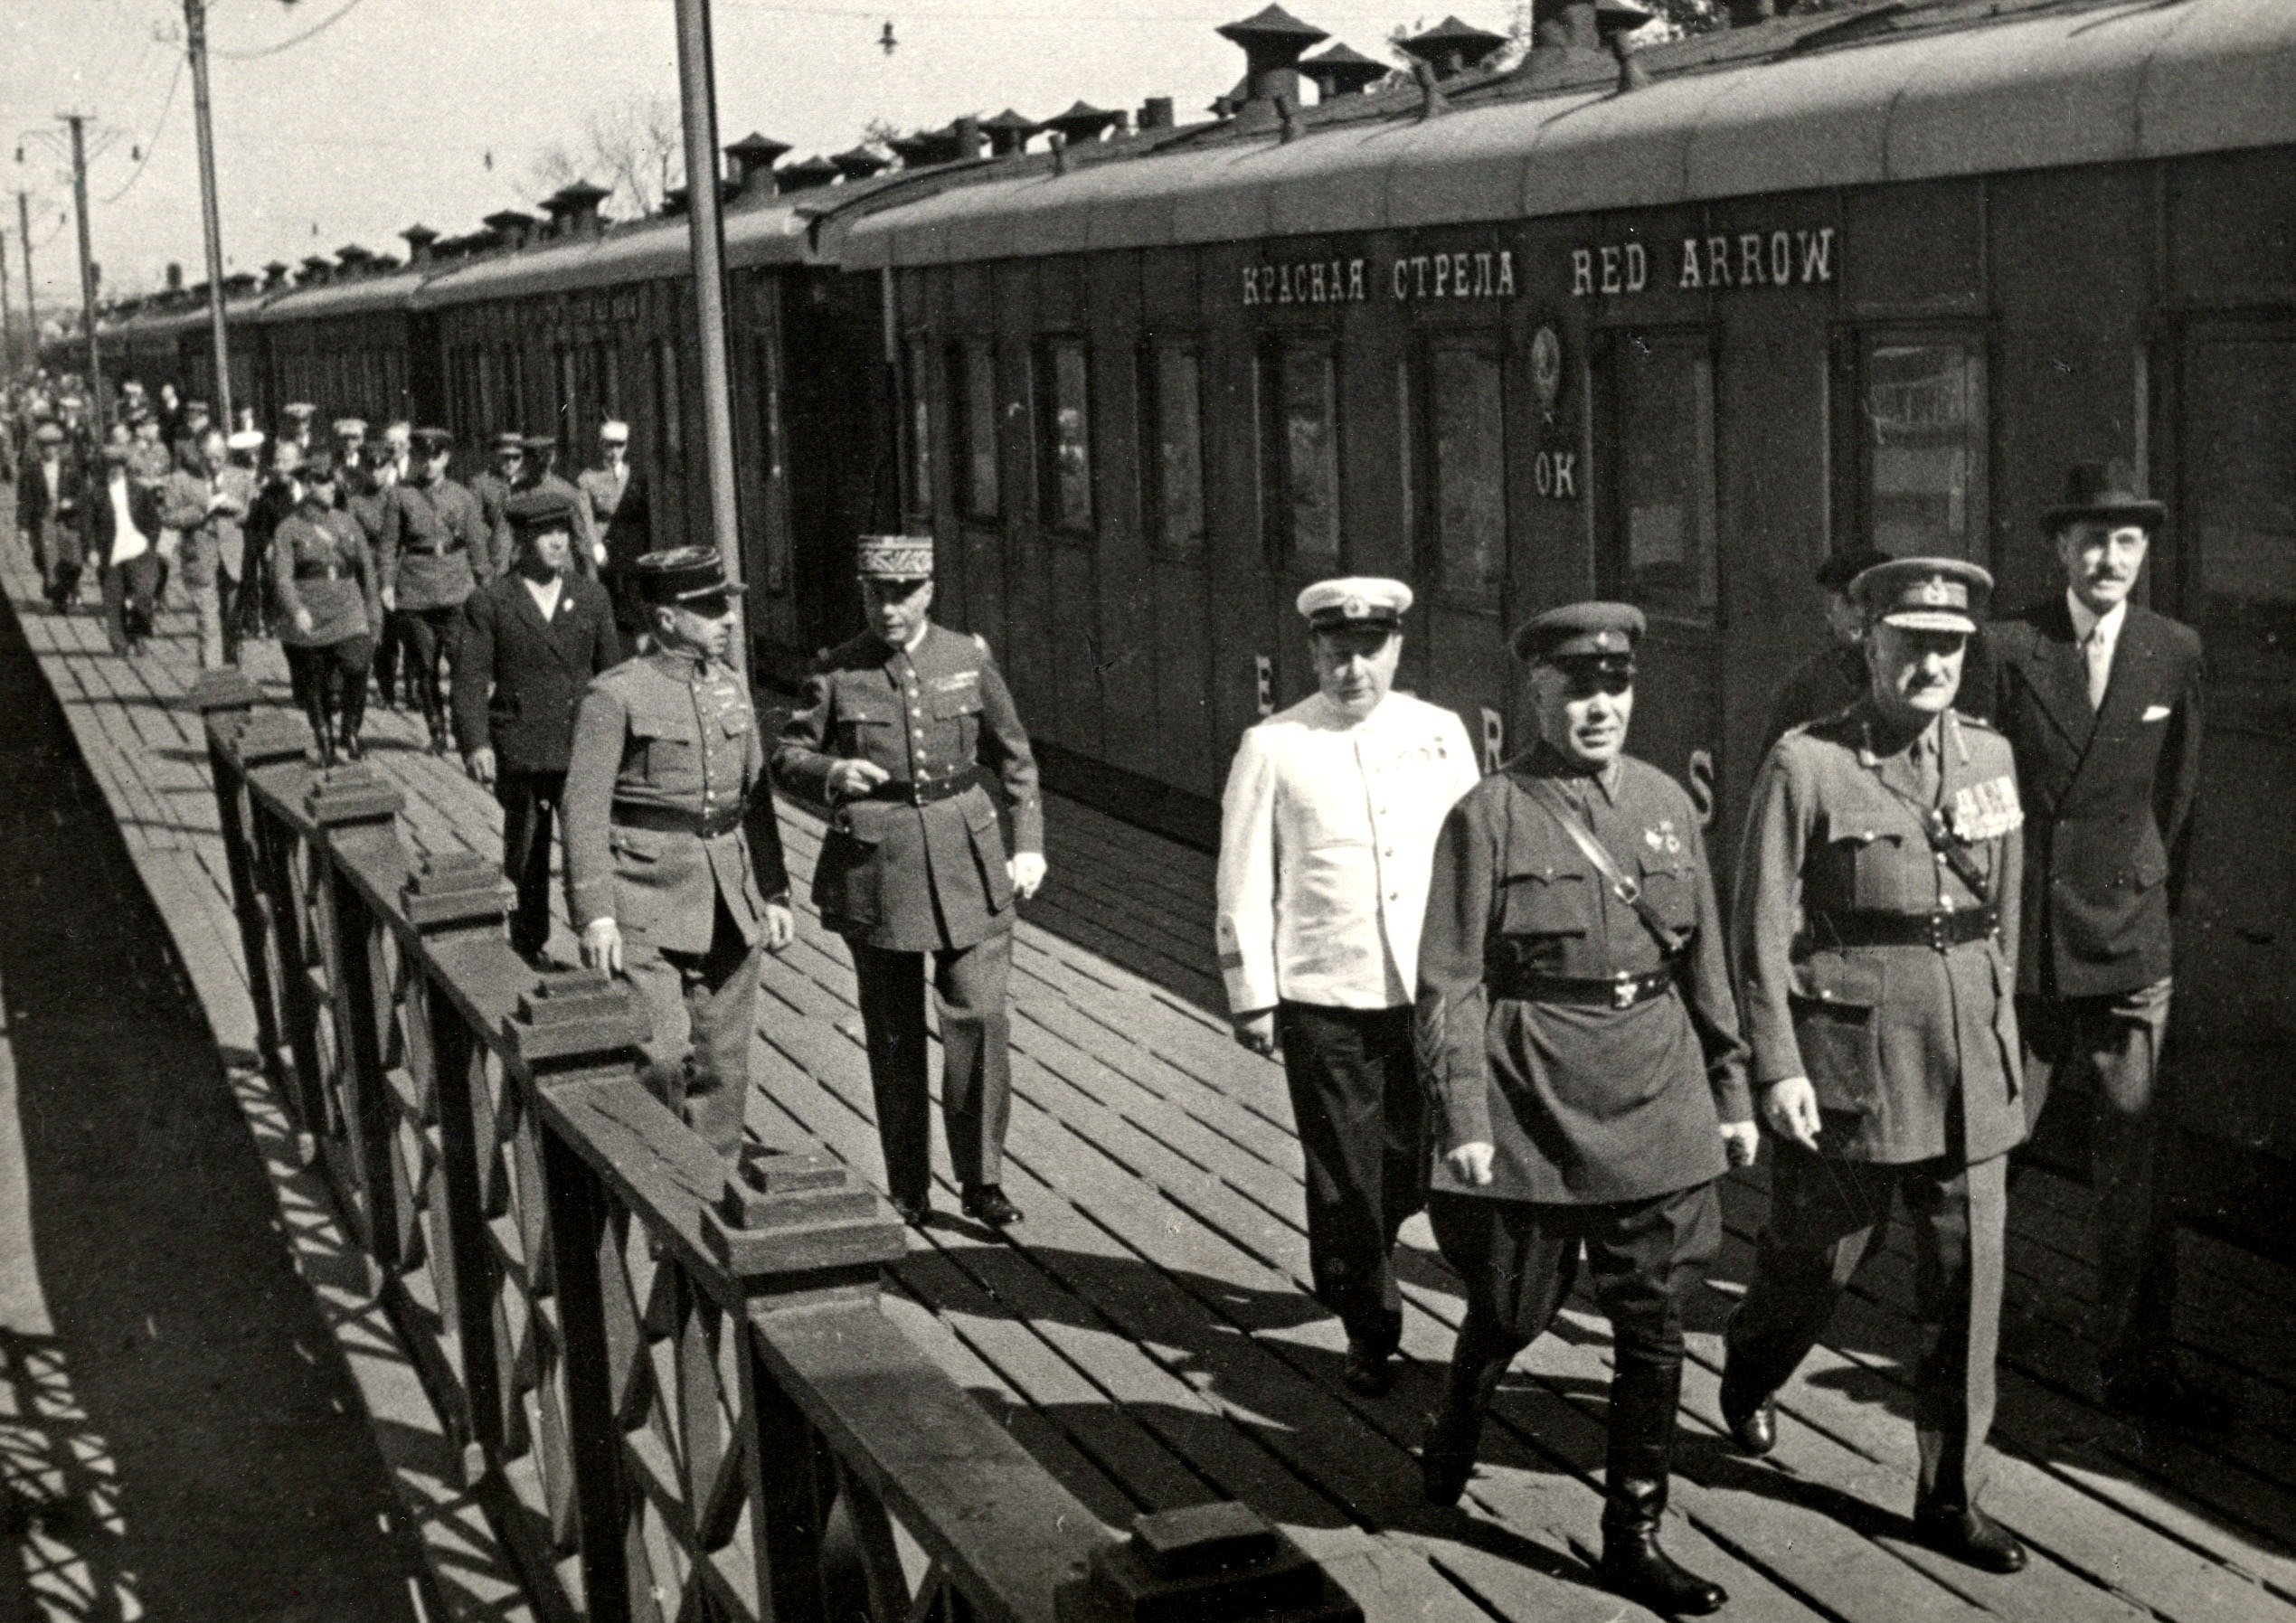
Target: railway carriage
[(353, 343), (1669, 332)]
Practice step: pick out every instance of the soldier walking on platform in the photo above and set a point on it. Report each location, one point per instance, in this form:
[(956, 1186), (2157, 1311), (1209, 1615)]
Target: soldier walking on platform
[(328, 600), (900, 732), (674, 878), (434, 552), (2101, 701), (1326, 832), (492, 486), (531, 642), (1877, 931), (1582, 1051)]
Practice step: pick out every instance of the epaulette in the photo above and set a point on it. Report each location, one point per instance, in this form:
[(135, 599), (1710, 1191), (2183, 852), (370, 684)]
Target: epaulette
[(981, 643), (1966, 719)]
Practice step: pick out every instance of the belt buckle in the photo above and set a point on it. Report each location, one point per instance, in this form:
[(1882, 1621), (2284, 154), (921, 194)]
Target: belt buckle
[(1622, 991)]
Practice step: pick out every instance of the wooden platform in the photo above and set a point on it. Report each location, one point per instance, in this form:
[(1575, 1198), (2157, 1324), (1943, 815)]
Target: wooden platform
[(1147, 1335)]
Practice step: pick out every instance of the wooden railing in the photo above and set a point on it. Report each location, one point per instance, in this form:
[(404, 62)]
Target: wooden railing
[(673, 1391)]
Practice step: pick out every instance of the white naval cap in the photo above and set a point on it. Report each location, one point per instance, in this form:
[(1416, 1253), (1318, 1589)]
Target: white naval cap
[(245, 439), (614, 431), (1356, 600)]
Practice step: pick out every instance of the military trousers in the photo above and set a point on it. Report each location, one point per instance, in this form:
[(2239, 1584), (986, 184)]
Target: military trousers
[(329, 681), (531, 806), (2112, 1045), (968, 986), (1361, 1116), (429, 639), (215, 607), (1826, 1216), (1518, 1261), (703, 1009)]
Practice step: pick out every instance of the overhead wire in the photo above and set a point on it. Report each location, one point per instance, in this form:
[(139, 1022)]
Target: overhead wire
[(151, 143), (292, 41)]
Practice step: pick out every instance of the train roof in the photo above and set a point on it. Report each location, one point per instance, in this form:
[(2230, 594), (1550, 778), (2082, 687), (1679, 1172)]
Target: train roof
[(353, 296), (1892, 92)]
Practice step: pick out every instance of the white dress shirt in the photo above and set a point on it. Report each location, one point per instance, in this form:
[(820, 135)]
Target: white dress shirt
[(545, 594), (1327, 835), (2098, 637), (126, 540)]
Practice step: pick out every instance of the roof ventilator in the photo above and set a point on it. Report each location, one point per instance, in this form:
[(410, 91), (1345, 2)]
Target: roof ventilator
[(1452, 47), (753, 158), (1273, 40), (1614, 20)]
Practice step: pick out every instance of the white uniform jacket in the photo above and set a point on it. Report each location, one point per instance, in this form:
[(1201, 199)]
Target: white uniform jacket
[(1327, 835)]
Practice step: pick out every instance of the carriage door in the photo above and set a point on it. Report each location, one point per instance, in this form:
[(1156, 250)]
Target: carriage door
[(1656, 536), (2233, 521)]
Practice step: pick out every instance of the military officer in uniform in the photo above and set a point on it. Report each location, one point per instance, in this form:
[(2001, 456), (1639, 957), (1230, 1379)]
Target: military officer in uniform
[(1834, 678), (434, 552), (492, 486), (902, 731), (674, 878), (1877, 920), (1582, 1049), (2101, 700), (1326, 832)]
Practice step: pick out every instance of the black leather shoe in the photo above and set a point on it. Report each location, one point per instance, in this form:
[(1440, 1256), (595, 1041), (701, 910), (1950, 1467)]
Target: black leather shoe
[(1752, 1421), (353, 749), (1969, 1534), (1370, 1372), (988, 1205), (1633, 1565), (1442, 1472), (2167, 1396), (915, 1213)]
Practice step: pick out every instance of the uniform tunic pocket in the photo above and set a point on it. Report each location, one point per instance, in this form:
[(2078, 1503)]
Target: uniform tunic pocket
[(1547, 902), (989, 850), (1833, 1000), (1670, 886)]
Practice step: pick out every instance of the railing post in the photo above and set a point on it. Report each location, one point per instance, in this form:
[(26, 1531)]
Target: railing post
[(448, 899), (795, 1231), (578, 1027), (1208, 1564), (354, 812)]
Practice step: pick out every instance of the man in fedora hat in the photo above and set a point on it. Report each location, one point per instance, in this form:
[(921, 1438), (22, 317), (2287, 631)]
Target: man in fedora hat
[(2101, 699), (902, 732), (674, 878), (1326, 829), (1876, 930), (1834, 678)]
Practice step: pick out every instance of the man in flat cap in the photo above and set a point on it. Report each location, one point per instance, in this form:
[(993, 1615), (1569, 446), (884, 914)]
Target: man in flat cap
[(531, 642), (902, 732), (49, 496), (539, 471), (2101, 699), (1588, 1083), (674, 878), (1877, 931), (435, 549), (1834, 678), (1326, 832)]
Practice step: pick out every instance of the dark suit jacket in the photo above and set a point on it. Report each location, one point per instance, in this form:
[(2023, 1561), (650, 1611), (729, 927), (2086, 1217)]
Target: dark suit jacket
[(518, 680), (2108, 793), (60, 523), (143, 506)]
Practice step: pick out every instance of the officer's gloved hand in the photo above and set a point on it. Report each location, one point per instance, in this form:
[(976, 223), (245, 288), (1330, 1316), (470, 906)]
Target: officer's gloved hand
[(1471, 1164), (602, 946), (852, 780), (1025, 869), (1790, 1105)]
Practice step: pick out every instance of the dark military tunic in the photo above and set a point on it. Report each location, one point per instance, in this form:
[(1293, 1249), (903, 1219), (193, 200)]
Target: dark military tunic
[(435, 547), (320, 562), (1583, 1103), (893, 874), (1912, 1051)]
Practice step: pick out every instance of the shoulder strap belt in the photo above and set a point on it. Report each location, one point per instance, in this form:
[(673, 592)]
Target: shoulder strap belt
[(1626, 888), (1941, 839)]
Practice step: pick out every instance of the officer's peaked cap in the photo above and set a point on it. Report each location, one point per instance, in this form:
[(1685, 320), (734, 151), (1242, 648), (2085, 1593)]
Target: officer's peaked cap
[(433, 439), (684, 575), (1355, 602), (1923, 594), (1573, 632), (893, 558)]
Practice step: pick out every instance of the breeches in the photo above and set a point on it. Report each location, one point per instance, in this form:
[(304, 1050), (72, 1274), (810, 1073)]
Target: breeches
[(330, 682), (429, 636)]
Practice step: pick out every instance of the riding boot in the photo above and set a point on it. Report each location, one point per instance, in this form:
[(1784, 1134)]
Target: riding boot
[(1447, 1459), (1644, 1396)]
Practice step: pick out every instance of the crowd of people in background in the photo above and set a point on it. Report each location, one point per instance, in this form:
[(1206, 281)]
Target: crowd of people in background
[(352, 543)]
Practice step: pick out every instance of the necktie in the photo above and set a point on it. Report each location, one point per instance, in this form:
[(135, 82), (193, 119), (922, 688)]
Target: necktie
[(2100, 654)]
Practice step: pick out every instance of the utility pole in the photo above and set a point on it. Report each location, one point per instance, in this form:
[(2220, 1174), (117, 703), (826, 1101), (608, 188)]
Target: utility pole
[(698, 97), (98, 413), (7, 345), (31, 298), (211, 218)]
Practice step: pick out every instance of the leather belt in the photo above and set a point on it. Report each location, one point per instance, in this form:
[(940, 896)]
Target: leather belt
[(1618, 992), (672, 819), (428, 552), (320, 571), (909, 792), (1872, 927)]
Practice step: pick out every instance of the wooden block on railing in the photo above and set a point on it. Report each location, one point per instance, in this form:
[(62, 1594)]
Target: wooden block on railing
[(260, 738), (224, 688), (1205, 1563), (789, 1222), (572, 1011), (343, 794), (454, 891)]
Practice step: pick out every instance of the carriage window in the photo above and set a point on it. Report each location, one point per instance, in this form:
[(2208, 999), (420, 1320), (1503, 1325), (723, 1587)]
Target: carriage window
[(1467, 444), (1922, 405), (919, 416), (2241, 526), (1663, 547), (1299, 452), (1065, 435), (1172, 410), (972, 386)]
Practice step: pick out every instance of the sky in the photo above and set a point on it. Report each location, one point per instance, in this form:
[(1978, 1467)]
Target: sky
[(340, 121)]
